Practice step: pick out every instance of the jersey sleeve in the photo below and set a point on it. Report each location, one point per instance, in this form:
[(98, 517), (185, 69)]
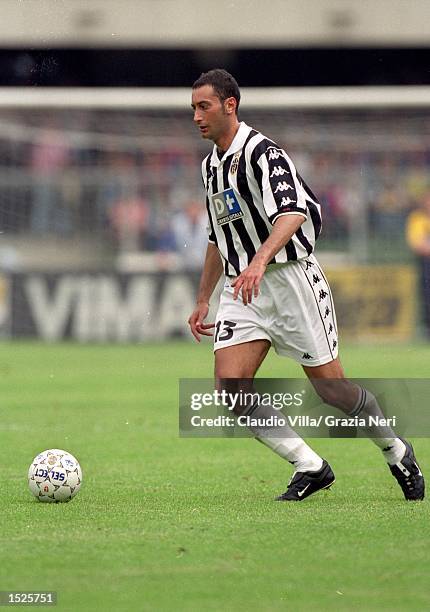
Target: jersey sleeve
[(280, 187), (209, 226), (210, 231)]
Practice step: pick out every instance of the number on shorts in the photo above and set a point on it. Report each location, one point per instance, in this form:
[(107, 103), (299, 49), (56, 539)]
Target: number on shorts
[(227, 329)]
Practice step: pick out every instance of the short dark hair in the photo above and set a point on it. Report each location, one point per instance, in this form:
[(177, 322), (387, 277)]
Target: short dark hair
[(224, 84)]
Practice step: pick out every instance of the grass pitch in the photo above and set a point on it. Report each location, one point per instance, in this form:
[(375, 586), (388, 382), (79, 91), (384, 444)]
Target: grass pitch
[(163, 523)]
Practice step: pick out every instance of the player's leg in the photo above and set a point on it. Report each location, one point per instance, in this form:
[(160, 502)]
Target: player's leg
[(331, 385), (240, 360), (241, 342), (235, 368), (305, 328)]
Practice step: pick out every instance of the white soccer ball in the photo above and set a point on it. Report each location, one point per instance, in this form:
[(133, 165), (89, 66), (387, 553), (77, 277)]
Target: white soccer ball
[(54, 476)]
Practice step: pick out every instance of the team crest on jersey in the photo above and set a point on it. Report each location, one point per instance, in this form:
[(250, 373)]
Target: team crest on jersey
[(226, 206), (235, 162)]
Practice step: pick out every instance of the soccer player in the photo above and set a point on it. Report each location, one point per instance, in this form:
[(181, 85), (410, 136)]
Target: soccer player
[(263, 221)]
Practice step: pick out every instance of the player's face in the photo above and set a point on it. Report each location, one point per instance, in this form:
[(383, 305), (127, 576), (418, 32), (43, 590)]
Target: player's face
[(211, 116)]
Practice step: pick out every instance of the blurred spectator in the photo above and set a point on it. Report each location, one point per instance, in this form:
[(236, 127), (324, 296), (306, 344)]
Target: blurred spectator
[(418, 238), (120, 176), (333, 201), (390, 211), (164, 240), (416, 176), (49, 157), (130, 221), (189, 229)]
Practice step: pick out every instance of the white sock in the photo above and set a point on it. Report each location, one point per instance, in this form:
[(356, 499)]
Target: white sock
[(384, 437), (283, 440), (296, 451)]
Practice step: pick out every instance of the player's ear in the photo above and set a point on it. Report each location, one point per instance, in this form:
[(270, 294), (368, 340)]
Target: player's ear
[(230, 105)]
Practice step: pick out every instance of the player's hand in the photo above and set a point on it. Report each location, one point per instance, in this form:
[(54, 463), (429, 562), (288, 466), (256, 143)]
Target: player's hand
[(197, 326), (249, 281)]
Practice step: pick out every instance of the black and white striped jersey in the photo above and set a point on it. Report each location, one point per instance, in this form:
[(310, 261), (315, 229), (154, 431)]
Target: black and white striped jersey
[(253, 184)]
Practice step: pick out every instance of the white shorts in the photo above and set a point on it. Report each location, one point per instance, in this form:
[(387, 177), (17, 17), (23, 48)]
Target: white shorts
[(294, 311)]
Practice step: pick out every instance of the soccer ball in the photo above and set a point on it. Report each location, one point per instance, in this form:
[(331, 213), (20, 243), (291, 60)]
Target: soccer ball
[(54, 476)]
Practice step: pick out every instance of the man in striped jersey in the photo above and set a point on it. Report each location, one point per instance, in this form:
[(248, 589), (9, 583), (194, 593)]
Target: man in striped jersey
[(263, 221)]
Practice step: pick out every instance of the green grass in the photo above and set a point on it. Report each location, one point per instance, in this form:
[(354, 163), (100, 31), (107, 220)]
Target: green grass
[(164, 523)]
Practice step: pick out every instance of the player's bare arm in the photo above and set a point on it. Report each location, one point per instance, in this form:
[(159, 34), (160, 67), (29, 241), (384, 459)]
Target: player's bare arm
[(249, 281), (212, 270)]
